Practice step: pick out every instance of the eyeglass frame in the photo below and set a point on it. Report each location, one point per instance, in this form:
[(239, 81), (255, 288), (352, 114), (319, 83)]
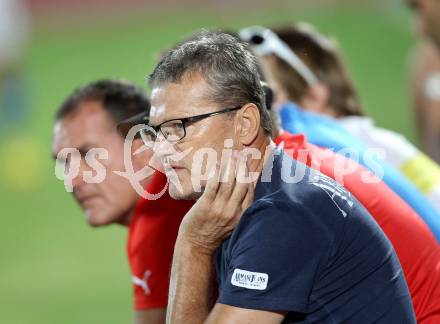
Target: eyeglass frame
[(184, 121), (272, 44)]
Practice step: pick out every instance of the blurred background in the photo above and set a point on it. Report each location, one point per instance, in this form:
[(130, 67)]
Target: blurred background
[(53, 267)]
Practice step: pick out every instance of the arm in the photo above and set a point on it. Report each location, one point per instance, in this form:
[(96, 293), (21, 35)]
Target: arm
[(191, 292), (204, 228), (426, 104), (235, 315), (150, 316), (190, 296)]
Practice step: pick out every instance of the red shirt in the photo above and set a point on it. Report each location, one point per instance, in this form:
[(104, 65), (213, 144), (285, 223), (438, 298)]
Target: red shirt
[(415, 245), (151, 238)]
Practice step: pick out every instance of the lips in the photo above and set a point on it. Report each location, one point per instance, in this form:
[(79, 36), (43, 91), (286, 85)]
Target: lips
[(172, 171), (176, 167), (172, 167), (83, 199)]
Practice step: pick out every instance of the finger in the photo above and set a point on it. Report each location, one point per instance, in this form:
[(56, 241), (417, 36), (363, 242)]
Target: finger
[(238, 195), (212, 184), (245, 204), (228, 177)]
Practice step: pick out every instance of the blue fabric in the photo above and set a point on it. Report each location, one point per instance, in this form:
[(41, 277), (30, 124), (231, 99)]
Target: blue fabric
[(325, 132), (307, 247)]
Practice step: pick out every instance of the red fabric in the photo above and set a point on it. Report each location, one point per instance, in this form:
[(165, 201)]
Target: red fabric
[(151, 238), (415, 245)]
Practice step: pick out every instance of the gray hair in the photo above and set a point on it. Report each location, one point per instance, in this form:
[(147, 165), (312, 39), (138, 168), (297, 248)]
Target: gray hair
[(227, 65)]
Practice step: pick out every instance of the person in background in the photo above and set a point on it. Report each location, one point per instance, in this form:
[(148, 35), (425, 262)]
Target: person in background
[(416, 247), (88, 119), (427, 15), (17, 135), (14, 32), (425, 74), (425, 95), (314, 95)]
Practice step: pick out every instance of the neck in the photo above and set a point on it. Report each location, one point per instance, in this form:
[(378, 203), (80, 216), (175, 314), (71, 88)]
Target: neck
[(276, 132), (264, 145), (126, 219)]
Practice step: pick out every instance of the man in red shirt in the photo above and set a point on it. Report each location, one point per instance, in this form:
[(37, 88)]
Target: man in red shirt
[(87, 120), (151, 238)]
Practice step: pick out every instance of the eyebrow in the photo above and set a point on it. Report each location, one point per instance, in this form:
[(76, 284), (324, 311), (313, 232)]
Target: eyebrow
[(164, 121), (83, 149), (174, 118)]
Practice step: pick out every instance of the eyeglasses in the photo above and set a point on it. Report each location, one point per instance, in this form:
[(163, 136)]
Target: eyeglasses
[(174, 130), (264, 42)]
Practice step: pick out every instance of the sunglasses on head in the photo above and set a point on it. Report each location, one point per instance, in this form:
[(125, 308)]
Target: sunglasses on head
[(264, 42)]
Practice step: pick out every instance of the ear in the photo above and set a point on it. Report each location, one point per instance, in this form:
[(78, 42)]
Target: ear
[(144, 154), (248, 124), (316, 99), (137, 144)]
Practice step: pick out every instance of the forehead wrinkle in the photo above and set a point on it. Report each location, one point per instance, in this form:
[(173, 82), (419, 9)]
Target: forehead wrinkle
[(80, 129), (196, 100), (89, 114)]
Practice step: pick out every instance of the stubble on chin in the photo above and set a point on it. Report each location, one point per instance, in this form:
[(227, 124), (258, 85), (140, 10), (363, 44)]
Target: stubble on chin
[(176, 194)]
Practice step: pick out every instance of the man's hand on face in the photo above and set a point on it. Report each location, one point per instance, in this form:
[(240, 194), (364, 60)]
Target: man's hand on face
[(216, 213)]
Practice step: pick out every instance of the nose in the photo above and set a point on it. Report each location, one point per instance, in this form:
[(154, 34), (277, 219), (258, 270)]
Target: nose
[(162, 148), (78, 180)]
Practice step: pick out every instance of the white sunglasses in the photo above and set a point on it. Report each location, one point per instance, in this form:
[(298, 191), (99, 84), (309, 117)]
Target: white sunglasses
[(264, 42)]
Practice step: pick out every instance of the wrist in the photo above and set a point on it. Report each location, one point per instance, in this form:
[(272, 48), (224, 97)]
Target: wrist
[(192, 245)]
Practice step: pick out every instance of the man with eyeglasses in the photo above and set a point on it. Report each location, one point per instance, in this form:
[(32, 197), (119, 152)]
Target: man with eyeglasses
[(407, 232), (289, 243), (88, 119)]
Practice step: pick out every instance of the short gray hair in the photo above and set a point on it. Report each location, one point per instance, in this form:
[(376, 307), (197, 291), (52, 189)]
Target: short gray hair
[(227, 65)]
